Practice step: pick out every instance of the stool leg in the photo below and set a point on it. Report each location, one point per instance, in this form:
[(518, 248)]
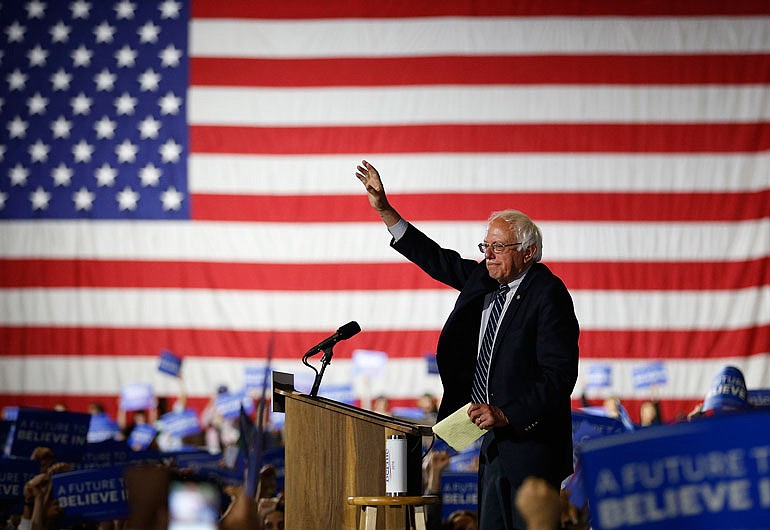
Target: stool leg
[(419, 517), (371, 518)]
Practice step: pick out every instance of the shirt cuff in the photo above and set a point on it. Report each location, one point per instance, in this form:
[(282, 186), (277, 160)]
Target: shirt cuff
[(398, 230)]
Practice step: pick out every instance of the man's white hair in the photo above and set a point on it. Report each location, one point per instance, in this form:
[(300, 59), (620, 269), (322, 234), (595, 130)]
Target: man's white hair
[(523, 227)]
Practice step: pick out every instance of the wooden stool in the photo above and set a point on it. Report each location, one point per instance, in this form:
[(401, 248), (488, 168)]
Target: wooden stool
[(415, 507)]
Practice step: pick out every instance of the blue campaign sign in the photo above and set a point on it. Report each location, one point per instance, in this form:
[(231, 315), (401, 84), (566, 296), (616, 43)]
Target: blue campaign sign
[(98, 494), (459, 491), (207, 465), (371, 364), (170, 363), (649, 375), (102, 428), (467, 459), (65, 433), (340, 392), (759, 398), (709, 474), (228, 405), (141, 436), (586, 426), (113, 453), (14, 474), (255, 378), (180, 423), (430, 360), (599, 376), (5, 430), (137, 396)]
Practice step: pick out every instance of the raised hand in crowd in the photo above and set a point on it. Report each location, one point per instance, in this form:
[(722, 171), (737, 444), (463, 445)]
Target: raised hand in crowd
[(539, 504), (439, 461)]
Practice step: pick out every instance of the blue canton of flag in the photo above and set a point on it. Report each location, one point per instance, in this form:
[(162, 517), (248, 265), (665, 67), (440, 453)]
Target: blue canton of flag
[(92, 110)]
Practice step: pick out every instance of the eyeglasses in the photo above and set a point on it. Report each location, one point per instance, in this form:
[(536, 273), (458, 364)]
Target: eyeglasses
[(496, 247)]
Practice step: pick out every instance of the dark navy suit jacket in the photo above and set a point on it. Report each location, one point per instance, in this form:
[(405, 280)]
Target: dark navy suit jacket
[(534, 361)]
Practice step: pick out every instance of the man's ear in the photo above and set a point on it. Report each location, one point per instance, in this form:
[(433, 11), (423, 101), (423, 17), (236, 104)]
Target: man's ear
[(529, 253)]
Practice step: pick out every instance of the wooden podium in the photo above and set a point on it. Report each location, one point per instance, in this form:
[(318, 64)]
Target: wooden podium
[(334, 451)]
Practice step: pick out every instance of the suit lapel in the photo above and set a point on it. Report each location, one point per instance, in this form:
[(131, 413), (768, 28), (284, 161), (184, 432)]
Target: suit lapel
[(513, 308)]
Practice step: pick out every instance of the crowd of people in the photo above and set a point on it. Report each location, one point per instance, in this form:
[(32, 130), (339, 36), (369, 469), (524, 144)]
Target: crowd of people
[(542, 506)]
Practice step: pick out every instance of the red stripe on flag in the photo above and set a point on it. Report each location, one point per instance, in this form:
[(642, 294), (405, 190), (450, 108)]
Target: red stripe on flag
[(530, 138), (675, 344), (635, 276), (572, 206), (297, 9), (594, 344), (716, 69)]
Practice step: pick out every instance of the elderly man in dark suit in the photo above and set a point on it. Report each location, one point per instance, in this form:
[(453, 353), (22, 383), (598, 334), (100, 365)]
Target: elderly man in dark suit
[(509, 347)]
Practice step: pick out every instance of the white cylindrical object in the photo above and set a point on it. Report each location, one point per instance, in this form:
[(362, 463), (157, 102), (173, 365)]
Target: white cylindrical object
[(395, 465)]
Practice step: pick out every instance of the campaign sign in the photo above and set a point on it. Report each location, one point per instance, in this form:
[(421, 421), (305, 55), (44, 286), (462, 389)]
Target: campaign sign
[(102, 428), (409, 413), (340, 392), (207, 465), (759, 398), (5, 430), (587, 426), (113, 453), (228, 405), (430, 359), (98, 494), (137, 396), (648, 375), (65, 433), (14, 474), (141, 436), (180, 423), (467, 459), (170, 363), (459, 491), (599, 376), (255, 378), (709, 474), (369, 363)]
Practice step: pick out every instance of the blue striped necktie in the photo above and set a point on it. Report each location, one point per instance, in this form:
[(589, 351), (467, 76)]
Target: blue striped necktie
[(479, 389)]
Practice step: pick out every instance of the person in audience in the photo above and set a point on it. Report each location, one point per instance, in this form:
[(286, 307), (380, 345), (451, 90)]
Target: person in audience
[(649, 413), (519, 372), (437, 463), (461, 520), (273, 520), (539, 503), (220, 432), (427, 402), (381, 405), (41, 511)]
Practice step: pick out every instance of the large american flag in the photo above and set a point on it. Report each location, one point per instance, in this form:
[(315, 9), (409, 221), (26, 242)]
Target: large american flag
[(180, 176)]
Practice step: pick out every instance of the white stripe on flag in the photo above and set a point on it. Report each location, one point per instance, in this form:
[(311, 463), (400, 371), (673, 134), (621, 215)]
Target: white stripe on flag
[(475, 36), (474, 105), (368, 242), (374, 310), (480, 173)]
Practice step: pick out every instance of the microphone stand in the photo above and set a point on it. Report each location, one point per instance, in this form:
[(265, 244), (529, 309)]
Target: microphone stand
[(325, 361)]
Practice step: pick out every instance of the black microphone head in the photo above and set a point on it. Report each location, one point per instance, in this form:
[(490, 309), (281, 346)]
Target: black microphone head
[(348, 330)]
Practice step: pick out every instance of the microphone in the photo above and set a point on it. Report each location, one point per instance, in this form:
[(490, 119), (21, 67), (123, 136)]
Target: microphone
[(343, 333)]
